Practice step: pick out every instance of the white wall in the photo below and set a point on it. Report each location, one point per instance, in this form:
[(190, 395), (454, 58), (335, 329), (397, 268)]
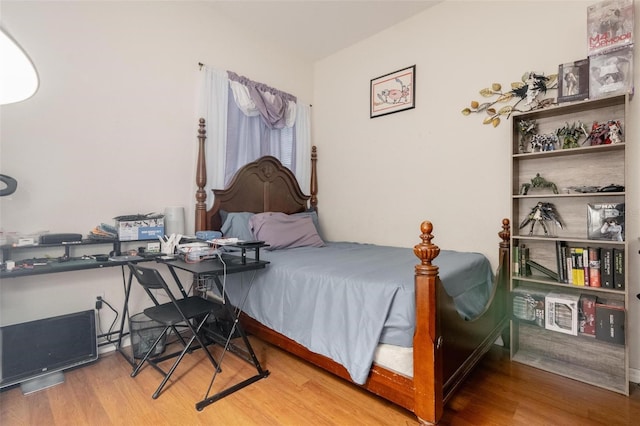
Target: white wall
[(379, 178), (113, 127)]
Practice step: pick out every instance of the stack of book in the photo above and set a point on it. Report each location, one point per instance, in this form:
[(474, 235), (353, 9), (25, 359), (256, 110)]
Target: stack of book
[(591, 266), (574, 314)]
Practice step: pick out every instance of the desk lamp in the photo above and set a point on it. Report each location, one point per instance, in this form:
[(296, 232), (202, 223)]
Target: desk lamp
[(18, 76)]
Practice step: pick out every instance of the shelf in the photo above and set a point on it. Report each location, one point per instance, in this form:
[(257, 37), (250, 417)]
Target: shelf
[(538, 279), (572, 195), (74, 244), (576, 240), (571, 151), (578, 357), (573, 108)]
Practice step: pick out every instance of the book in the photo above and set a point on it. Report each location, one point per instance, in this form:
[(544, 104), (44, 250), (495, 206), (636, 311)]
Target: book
[(585, 267), (528, 305), (618, 269), (606, 267), (610, 321), (609, 25), (577, 267), (573, 81), (569, 262), (605, 221), (561, 261), (516, 260), (587, 315), (525, 270), (561, 312), (594, 267), (611, 73)]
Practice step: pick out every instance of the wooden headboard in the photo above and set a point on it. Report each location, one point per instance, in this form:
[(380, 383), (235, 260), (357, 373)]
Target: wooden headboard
[(264, 185)]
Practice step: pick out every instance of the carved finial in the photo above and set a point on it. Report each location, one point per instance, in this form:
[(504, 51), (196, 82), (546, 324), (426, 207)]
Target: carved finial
[(505, 234), (426, 227), (426, 251), (201, 128)]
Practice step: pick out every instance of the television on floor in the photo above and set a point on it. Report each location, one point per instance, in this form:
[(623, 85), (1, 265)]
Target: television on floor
[(35, 353)]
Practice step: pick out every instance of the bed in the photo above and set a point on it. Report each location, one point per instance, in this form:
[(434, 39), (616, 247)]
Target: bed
[(444, 345)]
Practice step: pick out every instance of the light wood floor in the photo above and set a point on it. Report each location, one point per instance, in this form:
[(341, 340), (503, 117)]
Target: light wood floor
[(497, 393)]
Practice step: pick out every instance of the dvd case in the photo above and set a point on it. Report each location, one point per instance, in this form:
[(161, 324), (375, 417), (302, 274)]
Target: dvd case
[(573, 81), (609, 25), (611, 73), (605, 221)]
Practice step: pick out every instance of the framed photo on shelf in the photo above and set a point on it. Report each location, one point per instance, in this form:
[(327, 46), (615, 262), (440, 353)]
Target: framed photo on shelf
[(605, 221), (573, 81), (609, 25), (611, 73), (393, 92)]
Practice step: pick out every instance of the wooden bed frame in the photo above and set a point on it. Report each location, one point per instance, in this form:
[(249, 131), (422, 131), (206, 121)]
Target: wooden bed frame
[(445, 347)]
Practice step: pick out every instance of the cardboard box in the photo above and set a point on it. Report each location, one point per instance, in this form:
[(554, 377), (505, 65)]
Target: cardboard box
[(134, 228), (528, 305), (561, 312)]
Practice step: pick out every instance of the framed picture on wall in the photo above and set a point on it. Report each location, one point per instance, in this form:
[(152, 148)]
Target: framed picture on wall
[(393, 92)]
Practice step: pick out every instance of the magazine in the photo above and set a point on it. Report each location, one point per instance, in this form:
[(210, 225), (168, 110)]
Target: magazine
[(611, 73), (609, 25), (605, 221), (573, 81)]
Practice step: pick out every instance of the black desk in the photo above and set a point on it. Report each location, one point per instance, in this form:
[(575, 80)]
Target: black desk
[(214, 269)]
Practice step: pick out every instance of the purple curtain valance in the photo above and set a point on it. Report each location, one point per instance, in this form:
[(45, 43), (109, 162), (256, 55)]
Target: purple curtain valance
[(272, 104)]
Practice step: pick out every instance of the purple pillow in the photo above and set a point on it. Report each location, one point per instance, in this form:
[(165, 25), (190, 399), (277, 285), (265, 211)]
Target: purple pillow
[(281, 230)]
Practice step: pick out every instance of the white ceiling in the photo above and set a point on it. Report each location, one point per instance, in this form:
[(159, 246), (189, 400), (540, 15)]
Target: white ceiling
[(315, 29)]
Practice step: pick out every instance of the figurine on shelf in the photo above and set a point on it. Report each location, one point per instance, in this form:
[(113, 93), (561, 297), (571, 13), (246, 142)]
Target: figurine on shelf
[(538, 182), (571, 134), (527, 129), (615, 131), (605, 133), (546, 142), (541, 213), (598, 134)]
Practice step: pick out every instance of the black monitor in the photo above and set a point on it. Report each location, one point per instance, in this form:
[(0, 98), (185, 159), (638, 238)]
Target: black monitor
[(35, 353)]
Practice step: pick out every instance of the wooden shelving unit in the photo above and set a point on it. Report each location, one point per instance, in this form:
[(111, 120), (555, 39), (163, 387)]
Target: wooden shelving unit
[(581, 357)]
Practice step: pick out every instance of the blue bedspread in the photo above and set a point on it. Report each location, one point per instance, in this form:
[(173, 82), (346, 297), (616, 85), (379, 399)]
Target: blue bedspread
[(341, 300)]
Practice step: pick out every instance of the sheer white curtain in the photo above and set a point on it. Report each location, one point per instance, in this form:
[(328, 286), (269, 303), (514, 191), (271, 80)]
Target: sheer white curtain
[(240, 130)]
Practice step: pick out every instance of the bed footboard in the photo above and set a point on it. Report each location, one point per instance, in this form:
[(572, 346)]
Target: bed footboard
[(445, 346)]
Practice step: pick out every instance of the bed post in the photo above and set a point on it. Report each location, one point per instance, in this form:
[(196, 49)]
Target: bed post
[(314, 179), (427, 348), (201, 180)]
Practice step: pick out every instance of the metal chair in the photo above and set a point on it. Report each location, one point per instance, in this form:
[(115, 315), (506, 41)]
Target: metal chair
[(190, 311)]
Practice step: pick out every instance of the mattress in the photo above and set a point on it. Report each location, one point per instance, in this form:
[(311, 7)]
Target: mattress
[(343, 299)]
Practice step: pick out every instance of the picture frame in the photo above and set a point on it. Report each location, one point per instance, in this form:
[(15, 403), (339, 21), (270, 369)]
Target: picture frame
[(605, 221), (393, 92), (573, 81), (611, 73)]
